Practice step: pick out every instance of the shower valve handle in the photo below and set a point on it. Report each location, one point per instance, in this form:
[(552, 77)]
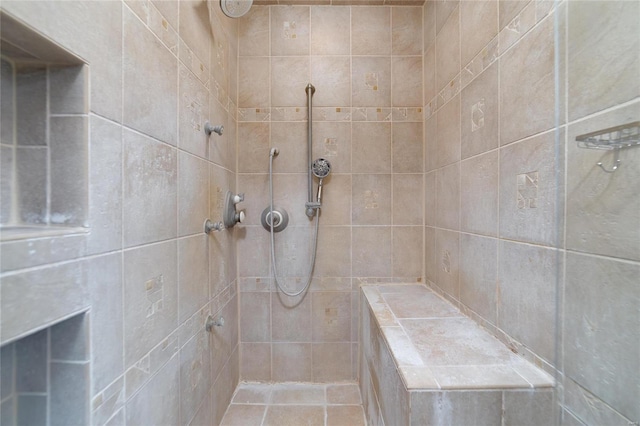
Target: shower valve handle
[(238, 198)]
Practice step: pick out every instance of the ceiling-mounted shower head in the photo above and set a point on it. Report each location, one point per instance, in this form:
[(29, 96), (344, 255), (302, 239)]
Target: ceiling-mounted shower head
[(235, 8), (321, 168)]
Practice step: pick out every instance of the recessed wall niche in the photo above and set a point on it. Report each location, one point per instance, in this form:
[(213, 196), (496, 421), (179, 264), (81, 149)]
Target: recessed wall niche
[(43, 136)]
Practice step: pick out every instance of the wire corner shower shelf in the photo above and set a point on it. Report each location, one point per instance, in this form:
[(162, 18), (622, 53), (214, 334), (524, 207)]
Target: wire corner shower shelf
[(612, 139)]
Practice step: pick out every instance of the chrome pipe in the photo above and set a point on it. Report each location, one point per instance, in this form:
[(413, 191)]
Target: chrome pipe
[(310, 90)]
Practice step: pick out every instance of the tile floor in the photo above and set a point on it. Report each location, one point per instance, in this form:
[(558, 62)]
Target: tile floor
[(294, 404)]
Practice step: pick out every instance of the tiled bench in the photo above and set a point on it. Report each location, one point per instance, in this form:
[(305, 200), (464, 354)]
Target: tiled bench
[(424, 363)]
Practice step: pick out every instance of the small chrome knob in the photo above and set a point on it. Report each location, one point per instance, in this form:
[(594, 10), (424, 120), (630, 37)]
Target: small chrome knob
[(211, 322), (209, 128)]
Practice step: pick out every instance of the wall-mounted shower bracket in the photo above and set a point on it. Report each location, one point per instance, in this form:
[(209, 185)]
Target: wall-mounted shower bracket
[(231, 216), (212, 226), (212, 322), (210, 128)]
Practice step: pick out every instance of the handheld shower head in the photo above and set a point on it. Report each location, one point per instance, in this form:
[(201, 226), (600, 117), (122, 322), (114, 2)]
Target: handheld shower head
[(321, 168)]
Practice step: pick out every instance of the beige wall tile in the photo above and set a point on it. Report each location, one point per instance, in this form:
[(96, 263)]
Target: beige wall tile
[(149, 405), (290, 318), (371, 147), (448, 48), (479, 275), (255, 361), (430, 265), (430, 199), (430, 143), (527, 85), (448, 197), (334, 252), (448, 134), (290, 30), (509, 9), (336, 200), (406, 74), (254, 82), (407, 143), (429, 71), (291, 362), (459, 407), (478, 25), (407, 253), (603, 210), (529, 191), (479, 194), (193, 111), (244, 414), (528, 408), (370, 30), (599, 326), (330, 30), (331, 313), (479, 111), (289, 78), (193, 275), (193, 193), (290, 138), (371, 81), (330, 77), (332, 141), (527, 278), (407, 199), (406, 22), (151, 297), (195, 375), (447, 261), (253, 147), (371, 199), (150, 103), (286, 415), (253, 32), (602, 41), (194, 28), (150, 185), (331, 362), (255, 322), (429, 23), (371, 251)]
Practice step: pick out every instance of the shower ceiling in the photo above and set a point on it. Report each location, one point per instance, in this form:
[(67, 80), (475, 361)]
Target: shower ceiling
[(341, 2)]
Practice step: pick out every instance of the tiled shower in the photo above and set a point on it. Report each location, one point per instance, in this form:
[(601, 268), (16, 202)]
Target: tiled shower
[(451, 129)]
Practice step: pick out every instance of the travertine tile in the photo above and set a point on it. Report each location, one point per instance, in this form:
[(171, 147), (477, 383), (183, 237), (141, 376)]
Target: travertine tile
[(371, 81), (150, 103), (255, 323), (527, 85), (447, 147), (370, 30), (587, 407), (509, 9), (479, 194), (599, 342), (371, 199), (478, 377), (528, 408), (151, 297), (345, 415), (479, 275), (406, 87), (407, 143), (478, 25), (371, 251), (290, 318), (332, 141), (288, 138), (447, 261), (330, 76), (193, 193), (252, 393), (291, 362), (602, 41), (331, 316), (193, 111), (371, 147), (530, 190), (290, 31), (289, 78), (193, 266), (282, 415), (196, 376), (150, 190), (429, 23), (479, 113), (244, 415), (407, 253), (448, 49), (527, 278), (255, 362), (407, 205), (448, 197), (343, 394), (406, 22), (333, 257), (254, 82), (253, 33), (330, 30), (457, 408), (331, 362), (429, 72), (444, 9), (336, 201)]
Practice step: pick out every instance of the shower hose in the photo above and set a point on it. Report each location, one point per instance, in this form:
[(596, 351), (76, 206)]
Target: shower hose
[(272, 154)]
